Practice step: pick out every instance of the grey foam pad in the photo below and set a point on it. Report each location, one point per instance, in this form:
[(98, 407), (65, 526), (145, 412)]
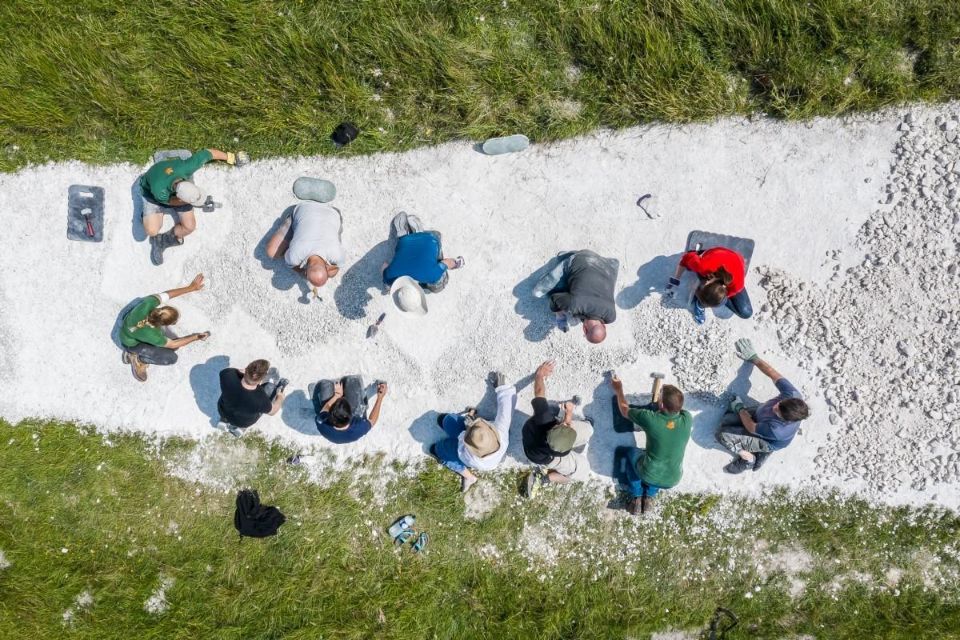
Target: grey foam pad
[(166, 154), (80, 198), (708, 240), (506, 144), (317, 189)]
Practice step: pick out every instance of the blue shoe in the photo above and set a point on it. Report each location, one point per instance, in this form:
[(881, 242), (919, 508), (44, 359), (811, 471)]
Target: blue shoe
[(699, 313), (562, 323)]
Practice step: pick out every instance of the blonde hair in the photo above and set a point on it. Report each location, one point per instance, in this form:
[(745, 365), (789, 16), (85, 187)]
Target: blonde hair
[(160, 317)]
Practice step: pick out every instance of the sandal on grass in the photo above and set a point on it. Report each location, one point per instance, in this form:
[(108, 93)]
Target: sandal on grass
[(421, 542), (404, 537)]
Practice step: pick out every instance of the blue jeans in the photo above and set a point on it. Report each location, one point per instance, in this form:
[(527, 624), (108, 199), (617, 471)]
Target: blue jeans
[(556, 278), (635, 486), (446, 450), (740, 304)]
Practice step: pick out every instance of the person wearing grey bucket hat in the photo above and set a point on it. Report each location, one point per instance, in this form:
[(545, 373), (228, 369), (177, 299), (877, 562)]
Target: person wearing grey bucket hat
[(552, 438), (473, 443)]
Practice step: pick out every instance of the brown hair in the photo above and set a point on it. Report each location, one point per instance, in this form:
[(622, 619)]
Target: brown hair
[(794, 409), (712, 293), (256, 370), (671, 398), (160, 317)]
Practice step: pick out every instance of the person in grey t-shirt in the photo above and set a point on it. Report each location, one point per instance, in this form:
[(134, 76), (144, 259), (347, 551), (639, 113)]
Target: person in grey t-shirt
[(309, 241)]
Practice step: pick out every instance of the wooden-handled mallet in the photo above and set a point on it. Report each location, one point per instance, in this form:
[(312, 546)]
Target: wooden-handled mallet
[(657, 383)]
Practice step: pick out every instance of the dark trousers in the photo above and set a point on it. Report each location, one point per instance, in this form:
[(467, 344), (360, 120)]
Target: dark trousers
[(740, 304), (623, 425), (353, 393), (149, 354)]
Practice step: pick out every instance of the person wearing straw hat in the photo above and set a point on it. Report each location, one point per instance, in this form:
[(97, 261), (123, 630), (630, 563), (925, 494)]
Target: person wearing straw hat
[(310, 242), (473, 443), (552, 439), (418, 254)]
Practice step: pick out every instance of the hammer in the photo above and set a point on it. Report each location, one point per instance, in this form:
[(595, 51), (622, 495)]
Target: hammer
[(657, 383)]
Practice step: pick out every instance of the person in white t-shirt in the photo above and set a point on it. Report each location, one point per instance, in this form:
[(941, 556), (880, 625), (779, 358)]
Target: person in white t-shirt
[(310, 242)]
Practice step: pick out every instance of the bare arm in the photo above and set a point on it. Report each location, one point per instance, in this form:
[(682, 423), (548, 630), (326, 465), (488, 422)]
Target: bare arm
[(375, 412), (218, 155), (176, 343), (567, 413), (277, 403), (337, 394), (622, 403), (767, 370), (539, 378), (195, 285), (748, 423)]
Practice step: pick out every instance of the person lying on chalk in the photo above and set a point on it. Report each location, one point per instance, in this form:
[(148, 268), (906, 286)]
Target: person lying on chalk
[(142, 331), (309, 239), (580, 285), (417, 254), (722, 273), (169, 183)]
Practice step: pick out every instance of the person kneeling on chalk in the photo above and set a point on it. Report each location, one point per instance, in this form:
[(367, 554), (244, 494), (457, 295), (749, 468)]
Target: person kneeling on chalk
[(342, 409), (142, 331), (246, 395), (722, 273), (418, 255), (580, 285), (310, 242), (752, 433)]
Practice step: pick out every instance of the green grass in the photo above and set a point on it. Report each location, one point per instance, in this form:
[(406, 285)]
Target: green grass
[(102, 80), (126, 523)]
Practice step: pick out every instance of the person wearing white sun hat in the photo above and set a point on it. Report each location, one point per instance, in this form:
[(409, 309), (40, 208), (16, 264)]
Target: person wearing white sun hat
[(408, 296)]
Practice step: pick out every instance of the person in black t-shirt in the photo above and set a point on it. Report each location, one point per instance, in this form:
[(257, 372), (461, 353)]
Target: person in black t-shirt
[(246, 395), (551, 439)]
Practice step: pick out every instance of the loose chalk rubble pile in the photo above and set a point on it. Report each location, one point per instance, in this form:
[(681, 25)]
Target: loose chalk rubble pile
[(887, 336)]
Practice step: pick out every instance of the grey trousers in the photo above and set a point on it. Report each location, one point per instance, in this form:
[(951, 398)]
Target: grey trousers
[(736, 438), (353, 393), (149, 354)]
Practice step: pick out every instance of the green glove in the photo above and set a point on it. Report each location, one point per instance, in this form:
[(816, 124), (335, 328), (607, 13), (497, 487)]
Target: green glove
[(745, 350), (736, 404)]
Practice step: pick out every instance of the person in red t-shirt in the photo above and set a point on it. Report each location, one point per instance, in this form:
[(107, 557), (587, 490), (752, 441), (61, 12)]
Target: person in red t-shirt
[(722, 273)]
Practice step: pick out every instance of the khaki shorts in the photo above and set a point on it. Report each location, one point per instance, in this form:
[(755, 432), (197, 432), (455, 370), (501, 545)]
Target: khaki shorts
[(567, 465)]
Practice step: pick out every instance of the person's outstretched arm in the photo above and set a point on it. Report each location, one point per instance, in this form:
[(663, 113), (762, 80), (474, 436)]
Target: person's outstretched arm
[(506, 403), (767, 370), (539, 378), (622, 403), (195, 285), (176, 343), (277, 403), (375, 412)]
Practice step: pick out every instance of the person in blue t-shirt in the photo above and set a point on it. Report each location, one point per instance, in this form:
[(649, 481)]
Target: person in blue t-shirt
[(341, 409), (417, 254), (753, 433)]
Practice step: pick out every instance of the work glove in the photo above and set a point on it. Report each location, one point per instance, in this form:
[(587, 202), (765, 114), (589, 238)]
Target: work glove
[(745, 350), (238, 159), (736, 404), (671, 289)]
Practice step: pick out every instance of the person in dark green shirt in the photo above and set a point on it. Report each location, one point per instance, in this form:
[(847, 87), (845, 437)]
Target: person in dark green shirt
[(660, 464), (141, 331), (169, 184)]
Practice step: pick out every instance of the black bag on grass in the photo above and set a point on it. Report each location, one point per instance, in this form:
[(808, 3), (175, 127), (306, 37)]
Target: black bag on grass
[(254, 519)]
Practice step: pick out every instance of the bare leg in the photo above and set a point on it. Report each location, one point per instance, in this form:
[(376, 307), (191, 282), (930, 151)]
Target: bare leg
[(556, 476), (450, 262), (186, 225), (279, 241), (152, 223), (469, 479)]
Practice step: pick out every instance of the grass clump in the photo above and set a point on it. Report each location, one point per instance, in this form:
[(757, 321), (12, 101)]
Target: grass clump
[(102, 81), (103, 538)]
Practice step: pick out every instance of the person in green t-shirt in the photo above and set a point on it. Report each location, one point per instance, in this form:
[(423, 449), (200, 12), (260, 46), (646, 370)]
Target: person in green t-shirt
[(141, 331), (659, 465), (169, 184)]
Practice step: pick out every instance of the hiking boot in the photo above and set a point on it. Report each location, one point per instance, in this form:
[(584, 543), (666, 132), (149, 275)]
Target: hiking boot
[(236, 432), (535, 479), (646, 504), (699, 313), (139, 368), (738, 466), (759, 459), (497, 379), (281, 385), (635, 506), (160, 242)]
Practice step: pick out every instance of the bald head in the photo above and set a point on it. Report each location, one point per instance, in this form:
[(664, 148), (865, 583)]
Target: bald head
[(594, 330), (316, 271)]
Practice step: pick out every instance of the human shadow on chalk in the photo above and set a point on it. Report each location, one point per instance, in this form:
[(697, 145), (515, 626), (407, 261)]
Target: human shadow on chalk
[(610, 429), (284, 278), (205, 382), (711, 408), (298, 414), (652, 277), (535, 310), (353, 292), (426, 431)]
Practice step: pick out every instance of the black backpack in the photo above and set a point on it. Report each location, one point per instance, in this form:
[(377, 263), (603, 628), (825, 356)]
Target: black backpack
[(254, 519)]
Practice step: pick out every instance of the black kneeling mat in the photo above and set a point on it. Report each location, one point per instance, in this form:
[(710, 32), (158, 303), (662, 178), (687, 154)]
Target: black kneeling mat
[(85, 213)]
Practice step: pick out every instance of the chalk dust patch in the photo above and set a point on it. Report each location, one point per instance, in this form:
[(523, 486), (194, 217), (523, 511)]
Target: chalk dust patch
[(4, 563), (216, 463), (539, 543), (675, 635), (81, 603), (481, 500), (157, 603)]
